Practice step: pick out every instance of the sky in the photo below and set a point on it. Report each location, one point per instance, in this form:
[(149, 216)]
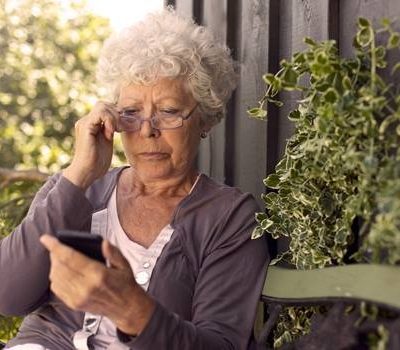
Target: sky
[(123, 12)]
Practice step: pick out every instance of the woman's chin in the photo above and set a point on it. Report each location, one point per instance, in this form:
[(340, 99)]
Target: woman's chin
[(153, 171)]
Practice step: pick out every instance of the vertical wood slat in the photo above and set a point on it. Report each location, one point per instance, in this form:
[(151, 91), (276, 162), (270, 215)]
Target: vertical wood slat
[(374, 10), (273, 122), (259, 41), (211, 159), (298, 19), (170, 3), (232, 35), (184, 8), (334, 20), (250, 136)]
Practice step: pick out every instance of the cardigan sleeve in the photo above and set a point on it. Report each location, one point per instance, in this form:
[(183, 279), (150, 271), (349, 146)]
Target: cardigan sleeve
[(24, 262), (226, 294)]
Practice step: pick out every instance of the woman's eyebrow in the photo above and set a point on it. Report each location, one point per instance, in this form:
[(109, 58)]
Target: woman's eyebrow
[(127, 103), (129, 106), (169, 98)]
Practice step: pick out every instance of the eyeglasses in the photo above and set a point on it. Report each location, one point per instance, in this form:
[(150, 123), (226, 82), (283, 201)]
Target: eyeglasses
[(130, 120)]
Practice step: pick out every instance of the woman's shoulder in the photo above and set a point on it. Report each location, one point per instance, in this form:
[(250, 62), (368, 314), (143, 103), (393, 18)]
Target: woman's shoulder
[(215, 204), (214, 216), (100, 191), (221, 195)]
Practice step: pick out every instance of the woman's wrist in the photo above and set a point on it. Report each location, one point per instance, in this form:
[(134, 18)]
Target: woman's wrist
[(123, 337), (137, 315), (77, 177)]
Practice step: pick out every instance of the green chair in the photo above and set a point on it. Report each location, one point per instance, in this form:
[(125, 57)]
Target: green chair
[(377, 284)]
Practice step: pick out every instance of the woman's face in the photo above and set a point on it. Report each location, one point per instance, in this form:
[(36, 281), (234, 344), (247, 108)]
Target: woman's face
[(161, 154)]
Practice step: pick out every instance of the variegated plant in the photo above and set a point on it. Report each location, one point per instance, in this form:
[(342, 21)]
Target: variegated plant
[(341, 167)]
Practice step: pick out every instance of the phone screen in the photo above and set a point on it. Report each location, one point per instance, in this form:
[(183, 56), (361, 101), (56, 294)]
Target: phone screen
[(84, 242)]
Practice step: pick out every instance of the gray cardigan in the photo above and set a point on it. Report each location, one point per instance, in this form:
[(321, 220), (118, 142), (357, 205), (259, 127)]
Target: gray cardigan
[(206, 282)]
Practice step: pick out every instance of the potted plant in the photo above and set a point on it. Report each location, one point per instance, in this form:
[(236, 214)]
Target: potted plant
[(335, 194)]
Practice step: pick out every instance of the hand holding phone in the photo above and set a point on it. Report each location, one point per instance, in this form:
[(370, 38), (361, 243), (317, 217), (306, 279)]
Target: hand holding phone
[(87, 243)]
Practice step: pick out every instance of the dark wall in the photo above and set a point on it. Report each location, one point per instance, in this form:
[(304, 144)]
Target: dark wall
[(241, 151)]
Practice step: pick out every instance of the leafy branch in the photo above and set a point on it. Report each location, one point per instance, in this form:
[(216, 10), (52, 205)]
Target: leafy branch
[(338, 182), (8, 176)]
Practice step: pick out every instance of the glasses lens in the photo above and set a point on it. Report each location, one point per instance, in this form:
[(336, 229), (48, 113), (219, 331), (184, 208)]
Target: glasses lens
[(167, 122), (128, 124)]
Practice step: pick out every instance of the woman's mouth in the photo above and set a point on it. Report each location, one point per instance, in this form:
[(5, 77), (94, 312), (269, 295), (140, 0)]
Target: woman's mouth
[(153, 155)]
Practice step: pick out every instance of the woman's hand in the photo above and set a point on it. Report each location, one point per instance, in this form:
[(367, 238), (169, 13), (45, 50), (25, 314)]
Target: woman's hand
[(93, 145), (86, 285)]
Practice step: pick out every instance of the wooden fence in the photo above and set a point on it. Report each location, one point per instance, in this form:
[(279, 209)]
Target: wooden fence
[(240, 151)]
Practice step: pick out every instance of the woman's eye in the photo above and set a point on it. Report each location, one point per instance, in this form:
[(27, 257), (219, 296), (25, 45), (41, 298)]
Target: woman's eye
[(130, 113), (169, 111)]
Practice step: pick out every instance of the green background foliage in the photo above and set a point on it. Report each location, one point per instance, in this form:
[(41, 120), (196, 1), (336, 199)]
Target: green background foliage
[(48, 55), (338, 182)]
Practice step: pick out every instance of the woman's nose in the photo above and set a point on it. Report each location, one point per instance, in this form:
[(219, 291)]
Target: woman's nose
[(146, 129)]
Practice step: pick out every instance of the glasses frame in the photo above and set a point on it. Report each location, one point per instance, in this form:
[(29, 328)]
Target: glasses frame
[(151, 120)]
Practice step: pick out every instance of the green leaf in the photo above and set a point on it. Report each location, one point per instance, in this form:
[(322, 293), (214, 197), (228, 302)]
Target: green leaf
[(394, 40), (380, 52), (331, 95), (272, 181), (365, 36), (395, 68), (363, 22), (386, 23), (294, 115), (275, 102), (269, 78), (260, 216), (310, 41), (346, 82), (398, 130), (266, 224), (290, 77), (257, 233), (299, 58), (257, 113)]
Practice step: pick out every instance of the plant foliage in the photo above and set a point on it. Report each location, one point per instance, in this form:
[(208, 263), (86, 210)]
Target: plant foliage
[(48, 56), (341, 167)]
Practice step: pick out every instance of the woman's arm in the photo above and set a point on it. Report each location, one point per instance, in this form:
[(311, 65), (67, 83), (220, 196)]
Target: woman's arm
[(61, 203), (224, 301), (24, 262)]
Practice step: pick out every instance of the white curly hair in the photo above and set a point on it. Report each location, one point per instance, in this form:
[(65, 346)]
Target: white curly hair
[(166, 45)]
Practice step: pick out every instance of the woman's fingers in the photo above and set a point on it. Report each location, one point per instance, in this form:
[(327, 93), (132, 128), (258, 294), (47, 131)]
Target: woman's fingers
[(101, 119), (113, 255), (86, 285), (93, 145), (75, 278), (64, 255)]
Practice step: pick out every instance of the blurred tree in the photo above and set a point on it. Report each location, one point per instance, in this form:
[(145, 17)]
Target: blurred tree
[(48, 54)]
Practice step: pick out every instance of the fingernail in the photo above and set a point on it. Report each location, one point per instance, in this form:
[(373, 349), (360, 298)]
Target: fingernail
[(46, 239)]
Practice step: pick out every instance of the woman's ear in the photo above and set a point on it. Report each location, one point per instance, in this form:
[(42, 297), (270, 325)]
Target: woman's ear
[(205, 125)]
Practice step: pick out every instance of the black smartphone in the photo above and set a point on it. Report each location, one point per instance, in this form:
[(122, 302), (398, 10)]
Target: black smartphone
[(84, 242)]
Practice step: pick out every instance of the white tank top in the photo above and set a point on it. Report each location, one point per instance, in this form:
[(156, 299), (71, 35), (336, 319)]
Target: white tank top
[(141, 259)]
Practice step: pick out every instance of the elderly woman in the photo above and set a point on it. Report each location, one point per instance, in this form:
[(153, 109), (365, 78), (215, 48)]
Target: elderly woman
[(182, 271)]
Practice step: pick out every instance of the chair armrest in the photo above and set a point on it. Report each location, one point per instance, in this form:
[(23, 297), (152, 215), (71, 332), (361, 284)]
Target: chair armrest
[(379, 284)]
